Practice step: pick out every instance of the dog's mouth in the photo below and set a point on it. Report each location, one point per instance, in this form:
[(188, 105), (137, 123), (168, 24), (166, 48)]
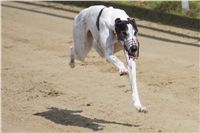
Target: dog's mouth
[(133, 55), (133, 51)]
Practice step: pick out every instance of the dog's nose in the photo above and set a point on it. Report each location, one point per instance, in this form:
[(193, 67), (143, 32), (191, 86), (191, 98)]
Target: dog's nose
[(133, 49)]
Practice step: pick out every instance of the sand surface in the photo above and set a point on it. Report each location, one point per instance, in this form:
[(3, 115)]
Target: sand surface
[(41, 93)]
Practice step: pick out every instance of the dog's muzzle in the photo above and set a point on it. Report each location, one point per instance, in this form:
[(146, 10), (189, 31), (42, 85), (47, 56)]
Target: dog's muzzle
[(132, 49)]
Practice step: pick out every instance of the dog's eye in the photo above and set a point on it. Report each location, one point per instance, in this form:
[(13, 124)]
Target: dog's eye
[(124, 33), (135, 33)]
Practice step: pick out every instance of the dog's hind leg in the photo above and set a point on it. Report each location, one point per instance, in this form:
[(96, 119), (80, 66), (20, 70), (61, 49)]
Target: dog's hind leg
[(82, 45), (79, 37), (76, 53), (72, 57)]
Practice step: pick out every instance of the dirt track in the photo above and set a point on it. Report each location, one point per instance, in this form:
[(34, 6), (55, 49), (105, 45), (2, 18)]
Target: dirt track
[(41, 93)]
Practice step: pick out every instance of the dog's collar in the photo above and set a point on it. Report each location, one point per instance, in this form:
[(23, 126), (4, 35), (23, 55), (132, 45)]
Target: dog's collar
[(97, 22)]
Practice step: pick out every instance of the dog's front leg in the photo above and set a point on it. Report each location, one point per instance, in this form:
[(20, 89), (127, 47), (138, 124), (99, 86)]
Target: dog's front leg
[(132, 77), (108, 47), (114, 60)]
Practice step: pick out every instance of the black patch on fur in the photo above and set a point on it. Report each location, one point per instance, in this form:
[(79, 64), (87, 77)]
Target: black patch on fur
[(121, 27)]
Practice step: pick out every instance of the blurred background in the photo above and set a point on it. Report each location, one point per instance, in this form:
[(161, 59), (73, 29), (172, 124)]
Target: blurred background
[(182, 13)]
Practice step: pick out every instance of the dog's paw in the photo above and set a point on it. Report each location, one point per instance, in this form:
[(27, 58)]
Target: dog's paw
[(141, 109), (123, 71), (72, 64)]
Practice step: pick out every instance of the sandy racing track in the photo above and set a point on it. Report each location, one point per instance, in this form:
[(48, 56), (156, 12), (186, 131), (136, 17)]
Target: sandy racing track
[(41, 93)]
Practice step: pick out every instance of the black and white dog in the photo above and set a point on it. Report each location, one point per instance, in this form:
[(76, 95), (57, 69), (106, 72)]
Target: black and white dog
[(108, 30)]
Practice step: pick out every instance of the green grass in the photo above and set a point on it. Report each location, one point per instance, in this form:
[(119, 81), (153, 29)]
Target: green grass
[(172, 7)]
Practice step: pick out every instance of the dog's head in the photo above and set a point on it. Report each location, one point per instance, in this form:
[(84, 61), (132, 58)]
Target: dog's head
[(126, 31)]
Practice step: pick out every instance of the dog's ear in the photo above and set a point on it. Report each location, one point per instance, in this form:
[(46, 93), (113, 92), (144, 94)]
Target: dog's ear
[(120, 24), (117, 21), (132, 21), (120, 28)]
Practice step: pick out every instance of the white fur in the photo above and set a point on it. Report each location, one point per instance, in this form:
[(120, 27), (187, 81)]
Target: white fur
[(104, 41)]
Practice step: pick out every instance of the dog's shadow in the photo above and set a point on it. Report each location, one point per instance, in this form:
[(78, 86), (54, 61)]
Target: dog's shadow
[(72, 118)]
